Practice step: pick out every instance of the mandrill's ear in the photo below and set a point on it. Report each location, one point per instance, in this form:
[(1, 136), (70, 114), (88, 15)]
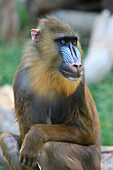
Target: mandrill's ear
[(35, 35)]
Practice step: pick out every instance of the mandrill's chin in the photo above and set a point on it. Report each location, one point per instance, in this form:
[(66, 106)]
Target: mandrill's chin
[(74, 79)]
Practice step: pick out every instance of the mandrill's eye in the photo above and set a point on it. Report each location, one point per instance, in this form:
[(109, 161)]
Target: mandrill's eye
[(63, 42), (74, 42)]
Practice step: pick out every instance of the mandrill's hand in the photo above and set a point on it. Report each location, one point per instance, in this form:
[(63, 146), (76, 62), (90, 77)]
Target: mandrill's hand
[(30, 150)]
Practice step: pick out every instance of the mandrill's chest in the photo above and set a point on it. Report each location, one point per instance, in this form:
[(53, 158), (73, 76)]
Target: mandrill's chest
[(54, 112)]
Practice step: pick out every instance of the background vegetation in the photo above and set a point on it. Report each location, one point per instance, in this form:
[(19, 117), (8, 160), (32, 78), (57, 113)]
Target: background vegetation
[(10, 54), (1, 168)]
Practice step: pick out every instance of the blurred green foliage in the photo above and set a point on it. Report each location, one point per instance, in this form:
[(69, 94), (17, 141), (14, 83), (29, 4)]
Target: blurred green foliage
[(1, 168), (103, 96), (9, 61), (23, 13)]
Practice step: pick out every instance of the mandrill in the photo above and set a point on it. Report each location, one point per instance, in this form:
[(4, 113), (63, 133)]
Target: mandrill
[(57, 117)]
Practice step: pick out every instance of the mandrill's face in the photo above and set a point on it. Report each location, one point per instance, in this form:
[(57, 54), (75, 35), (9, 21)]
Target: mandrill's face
[(71, 64), (57, 66)]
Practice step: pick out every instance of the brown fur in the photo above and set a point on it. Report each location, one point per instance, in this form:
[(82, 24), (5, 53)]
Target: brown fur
[(57, 117)]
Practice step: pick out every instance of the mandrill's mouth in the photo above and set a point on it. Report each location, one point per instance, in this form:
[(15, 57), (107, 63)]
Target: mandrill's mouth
[(70, 75)]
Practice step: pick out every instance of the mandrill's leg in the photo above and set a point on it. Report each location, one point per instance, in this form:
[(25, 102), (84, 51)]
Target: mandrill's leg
[(10, 149), (66, 156), (54, 155)]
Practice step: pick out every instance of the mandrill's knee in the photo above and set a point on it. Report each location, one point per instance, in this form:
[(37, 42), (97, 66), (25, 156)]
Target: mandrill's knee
[(48, 146), (44, 156), (45, 150), (49, 149)]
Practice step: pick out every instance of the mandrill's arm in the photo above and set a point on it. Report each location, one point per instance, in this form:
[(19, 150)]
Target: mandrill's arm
[(40, 134)]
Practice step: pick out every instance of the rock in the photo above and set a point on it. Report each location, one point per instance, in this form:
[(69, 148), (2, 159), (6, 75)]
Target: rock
[(9, 21), (107, 158), (6, 97), (7, 120), (77, 18), (35, 7), (99, 60)]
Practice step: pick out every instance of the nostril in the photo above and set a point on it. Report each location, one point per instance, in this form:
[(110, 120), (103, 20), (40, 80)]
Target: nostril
[(77, 65), (74, 65)]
